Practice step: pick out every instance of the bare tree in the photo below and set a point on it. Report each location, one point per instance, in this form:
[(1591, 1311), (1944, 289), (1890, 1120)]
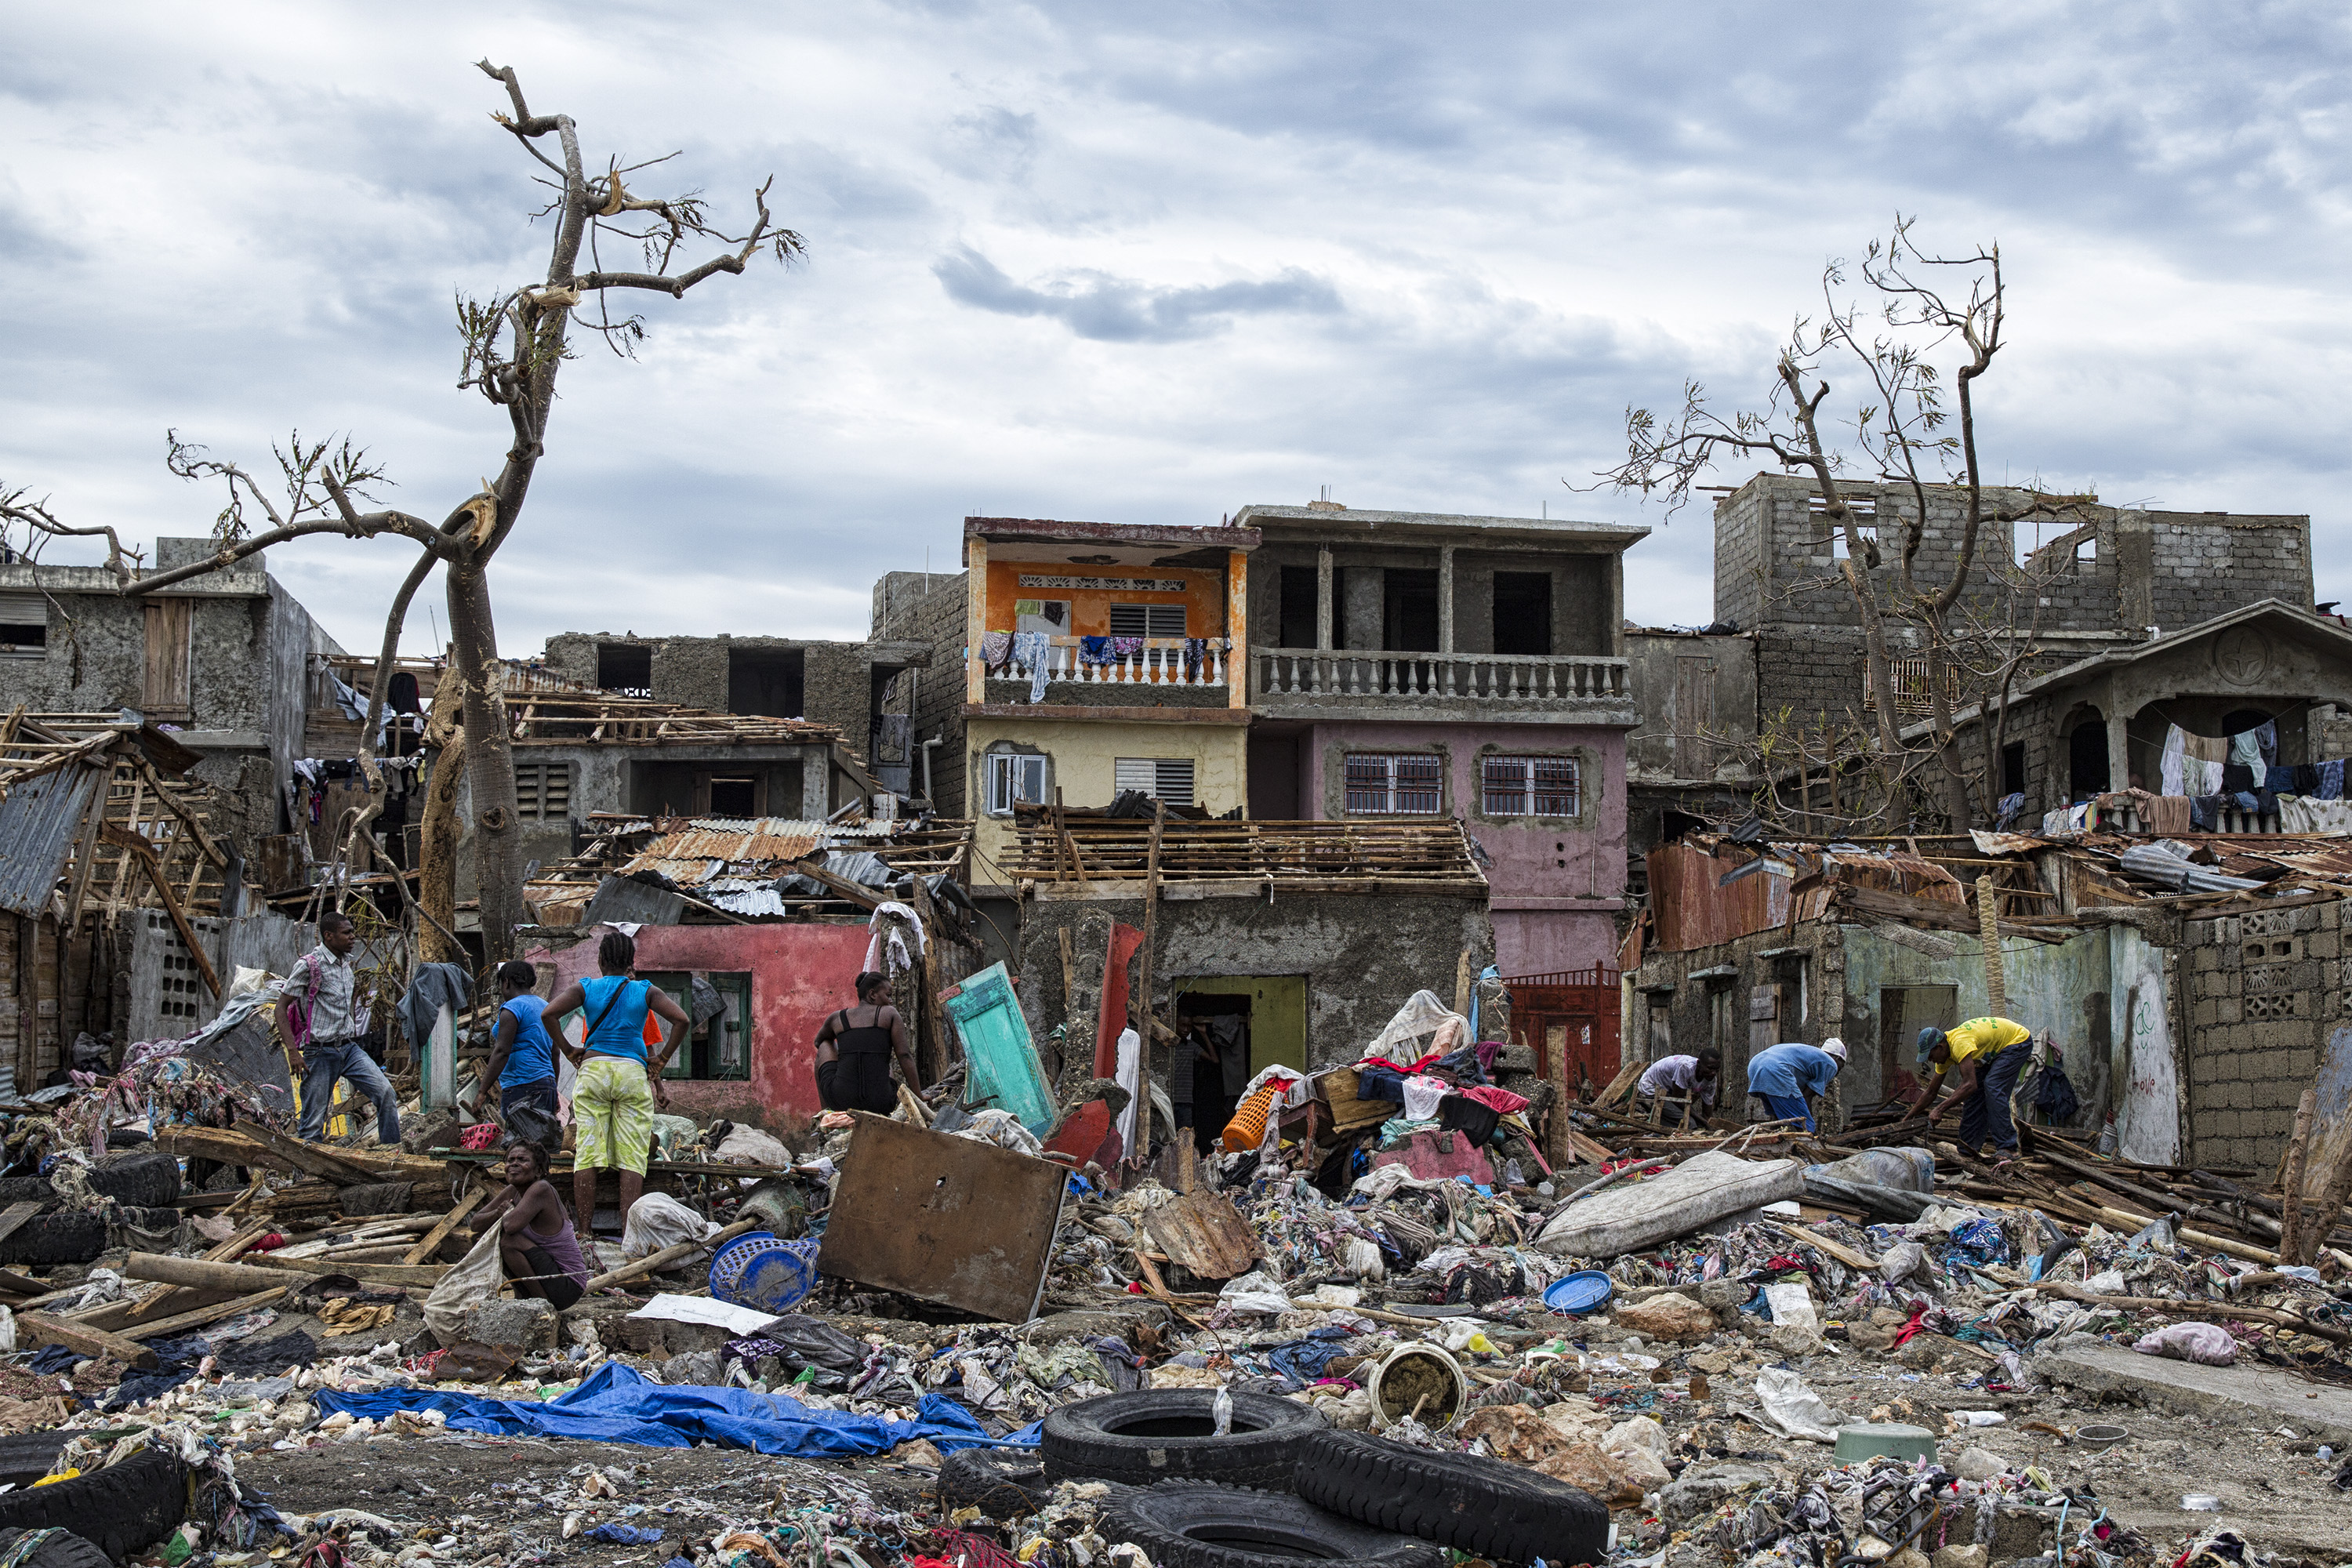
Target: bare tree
[(1897, 431), (512, 348)]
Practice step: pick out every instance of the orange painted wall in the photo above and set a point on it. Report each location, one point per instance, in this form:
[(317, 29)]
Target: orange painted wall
[(1203, 596)]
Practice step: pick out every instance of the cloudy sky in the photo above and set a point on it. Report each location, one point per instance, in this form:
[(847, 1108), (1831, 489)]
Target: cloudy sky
[(1142, 264)]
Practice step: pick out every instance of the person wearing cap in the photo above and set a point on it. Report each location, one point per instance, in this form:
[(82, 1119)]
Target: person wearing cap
[(1788, 1077), (1989, 1053)]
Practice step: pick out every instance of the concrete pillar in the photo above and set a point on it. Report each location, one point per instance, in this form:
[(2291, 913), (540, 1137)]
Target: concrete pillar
[(975, 600), (817, 776), (2118, 740), (1237, 662), (1323, 597), (1445, 598)]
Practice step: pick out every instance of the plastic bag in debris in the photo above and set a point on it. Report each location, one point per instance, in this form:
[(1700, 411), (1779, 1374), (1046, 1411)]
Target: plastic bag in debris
[(749, 1146), (1901, 1261), (1793, 1407), (615, 1404), (806, 1342), (1791, 1303), (1003, 1128), (1255, 1292), (658, 1220), (2208, 1344), (471, 1281), (1423, 1015)]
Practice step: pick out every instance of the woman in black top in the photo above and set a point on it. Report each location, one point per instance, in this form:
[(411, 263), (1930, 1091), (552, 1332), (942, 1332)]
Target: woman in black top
[(853, 1049)]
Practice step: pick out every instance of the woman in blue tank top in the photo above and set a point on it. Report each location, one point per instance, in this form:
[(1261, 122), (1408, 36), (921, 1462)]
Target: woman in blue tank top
[(617, 1086)]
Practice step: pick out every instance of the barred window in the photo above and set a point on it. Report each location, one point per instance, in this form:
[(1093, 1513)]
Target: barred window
[(1386, 784), (1530, 786)]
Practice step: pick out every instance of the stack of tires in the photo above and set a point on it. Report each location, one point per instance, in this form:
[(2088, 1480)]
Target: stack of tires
[(1281, 1487), (143, 1183)]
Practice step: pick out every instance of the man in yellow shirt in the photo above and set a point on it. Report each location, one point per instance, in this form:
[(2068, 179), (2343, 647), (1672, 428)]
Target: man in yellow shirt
[(1989, 1053)]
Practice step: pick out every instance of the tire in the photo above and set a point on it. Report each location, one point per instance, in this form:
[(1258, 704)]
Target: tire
[(144, 1178), (62, 1550), (1166, 1433), (1197, 1524), (1002, 1483), (121, 1509), (71, 1238), (25, 1458), (1490, 1508), (27, 1190)]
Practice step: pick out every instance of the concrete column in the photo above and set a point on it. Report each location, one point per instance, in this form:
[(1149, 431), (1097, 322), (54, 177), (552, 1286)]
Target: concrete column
[(817, 778), (1445, 598), (1237, 662), (975, 616), (2118, 740), (1323, 597)]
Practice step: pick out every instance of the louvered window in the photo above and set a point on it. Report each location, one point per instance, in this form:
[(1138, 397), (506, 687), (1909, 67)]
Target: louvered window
[(1148, 621), (1161, 778), (1388, 783), (543, 792), (24, 626)]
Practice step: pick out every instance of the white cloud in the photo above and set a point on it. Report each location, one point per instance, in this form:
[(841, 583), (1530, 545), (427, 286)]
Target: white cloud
[(1141, 265)]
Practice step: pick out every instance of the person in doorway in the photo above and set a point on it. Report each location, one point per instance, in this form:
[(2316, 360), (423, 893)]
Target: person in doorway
[(1681, 1089), (619, 1082), (1792, 1077), (321, 1017), (853, 1049), (522, 1055), (536, 1242), (1989, 1053), (1184, 1069)]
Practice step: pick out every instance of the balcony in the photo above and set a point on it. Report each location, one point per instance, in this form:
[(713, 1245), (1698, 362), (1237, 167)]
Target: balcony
[(1154, 674), (1331, 683)]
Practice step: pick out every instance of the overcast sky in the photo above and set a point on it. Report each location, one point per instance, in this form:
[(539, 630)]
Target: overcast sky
[(1142, 264)]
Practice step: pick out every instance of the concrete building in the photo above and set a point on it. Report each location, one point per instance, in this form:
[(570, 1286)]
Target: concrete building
[(231, 658), (1405, 664), (1100, 658), (867, 691), (1688, 762), (2101, 578)]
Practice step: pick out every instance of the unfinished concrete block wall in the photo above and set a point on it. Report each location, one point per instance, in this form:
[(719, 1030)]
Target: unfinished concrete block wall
[(927, 607), (2264, 991)]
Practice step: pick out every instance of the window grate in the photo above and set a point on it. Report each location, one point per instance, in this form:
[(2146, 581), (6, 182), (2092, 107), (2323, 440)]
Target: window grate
[(1530, 786), (1161, 778), (1912, 689), (1394, 784), (1148, 621)]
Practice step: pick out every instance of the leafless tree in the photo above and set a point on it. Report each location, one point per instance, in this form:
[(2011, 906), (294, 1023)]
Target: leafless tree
[(1892, 329), (512, 348)]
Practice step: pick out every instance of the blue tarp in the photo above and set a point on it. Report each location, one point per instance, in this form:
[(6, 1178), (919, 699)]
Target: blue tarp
[(615, 1404)]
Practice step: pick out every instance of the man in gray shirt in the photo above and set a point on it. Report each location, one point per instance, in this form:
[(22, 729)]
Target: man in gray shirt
[(320, 1015)]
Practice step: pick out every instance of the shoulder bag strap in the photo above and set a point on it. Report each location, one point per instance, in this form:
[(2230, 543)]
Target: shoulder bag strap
[(604, 1012)]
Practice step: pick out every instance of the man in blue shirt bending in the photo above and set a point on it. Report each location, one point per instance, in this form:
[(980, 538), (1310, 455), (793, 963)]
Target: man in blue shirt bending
[(1789, 1075)]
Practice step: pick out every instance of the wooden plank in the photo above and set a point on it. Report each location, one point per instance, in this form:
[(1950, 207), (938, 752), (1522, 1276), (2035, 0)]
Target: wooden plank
[(1140, 1003), (366, 1273), (327, 1165), (434, 1237), (1204, 1232), (670, 1255), (213, 1313), (37, 1328), (145, 852)]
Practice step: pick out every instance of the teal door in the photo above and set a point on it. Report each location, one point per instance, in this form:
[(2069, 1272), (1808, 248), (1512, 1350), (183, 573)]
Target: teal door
[(1004, 1071)]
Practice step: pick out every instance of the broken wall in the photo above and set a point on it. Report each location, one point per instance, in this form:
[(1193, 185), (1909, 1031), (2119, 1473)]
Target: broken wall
[(2264, 991), (1362, 955)]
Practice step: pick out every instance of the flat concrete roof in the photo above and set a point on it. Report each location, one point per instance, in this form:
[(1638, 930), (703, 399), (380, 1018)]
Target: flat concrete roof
[(1107, 544), (1438, 527)]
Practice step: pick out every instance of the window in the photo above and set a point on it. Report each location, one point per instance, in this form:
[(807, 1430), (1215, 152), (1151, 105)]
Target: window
[(625, 669), (1161, 778), (1148, 621), (1394, 784), (1530, 786), (2012, 768), (1523, 612), (1013, 778), (765, 681), (737, 797), (24, 626), (719, 1048), (1912, 691), (543, 792)]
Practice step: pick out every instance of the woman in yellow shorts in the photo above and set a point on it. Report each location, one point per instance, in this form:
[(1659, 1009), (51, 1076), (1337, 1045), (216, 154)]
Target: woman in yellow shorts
[(620, 1080)]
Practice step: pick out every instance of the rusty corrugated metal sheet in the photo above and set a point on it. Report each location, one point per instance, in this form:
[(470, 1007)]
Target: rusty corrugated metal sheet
[(40, 821), (1692, 905)]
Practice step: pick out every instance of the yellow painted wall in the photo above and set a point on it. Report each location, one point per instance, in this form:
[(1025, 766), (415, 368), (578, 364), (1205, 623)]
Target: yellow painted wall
[(1277, 1013), (1204, 597), (1083, 751)]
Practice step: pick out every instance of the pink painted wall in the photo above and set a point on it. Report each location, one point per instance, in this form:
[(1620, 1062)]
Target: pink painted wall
[(1557, 891), (800, 975)]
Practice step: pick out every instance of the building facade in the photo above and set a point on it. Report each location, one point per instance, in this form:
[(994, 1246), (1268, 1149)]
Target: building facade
[(1416, 664)]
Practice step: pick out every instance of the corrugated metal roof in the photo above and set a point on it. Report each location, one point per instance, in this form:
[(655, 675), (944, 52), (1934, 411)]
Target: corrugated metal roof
[(40, 821)]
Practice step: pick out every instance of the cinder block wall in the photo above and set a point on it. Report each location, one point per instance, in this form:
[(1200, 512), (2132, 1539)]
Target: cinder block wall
[(929, 608), (2265, 991)]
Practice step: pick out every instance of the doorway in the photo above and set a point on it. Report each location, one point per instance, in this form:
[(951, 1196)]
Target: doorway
[(1903, 1012), (2086, 758)]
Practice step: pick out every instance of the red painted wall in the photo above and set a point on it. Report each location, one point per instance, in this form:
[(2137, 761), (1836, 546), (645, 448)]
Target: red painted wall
[(800, 975)]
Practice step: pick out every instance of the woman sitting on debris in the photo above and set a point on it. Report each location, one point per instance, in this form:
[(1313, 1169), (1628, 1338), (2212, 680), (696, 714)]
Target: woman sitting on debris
[(853, 1049), (536, 1244)]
